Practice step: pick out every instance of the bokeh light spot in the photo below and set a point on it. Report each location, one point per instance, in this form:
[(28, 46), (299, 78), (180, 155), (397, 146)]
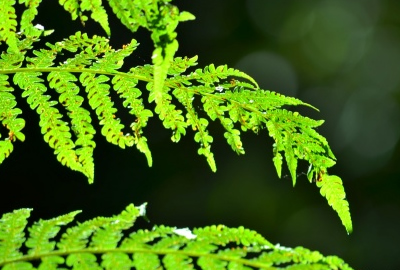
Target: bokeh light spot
[(271, 71), (368, 127)]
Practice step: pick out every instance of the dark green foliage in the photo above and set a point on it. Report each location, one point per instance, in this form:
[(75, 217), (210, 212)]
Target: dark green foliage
[(105, 243)]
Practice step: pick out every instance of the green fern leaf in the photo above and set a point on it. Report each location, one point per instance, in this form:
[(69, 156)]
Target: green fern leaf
[(100, 243), (56, 132), (116, 261), (88, 51), (72, 6), (183, 97), (9, 118), (13, 59), (83, 261), (211, 75), (162, 22), (12, 234), (6, 147), (40, 233), (172, 118), (162, 19), (294, 134), (90, 48), (28, 16), (277, 159), (186, 16), (8, 24), (99, 14), (290, 156), (332, 189), (81, 125), (98, 95), (198, 124), (176, 261), (126, 87), (129, 13), (162, 56)]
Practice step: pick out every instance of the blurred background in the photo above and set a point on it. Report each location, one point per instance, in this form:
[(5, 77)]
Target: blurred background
[(341, 56)]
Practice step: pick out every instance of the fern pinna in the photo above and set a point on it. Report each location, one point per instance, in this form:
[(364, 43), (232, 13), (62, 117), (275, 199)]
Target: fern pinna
[(111, 243), (221, 94)]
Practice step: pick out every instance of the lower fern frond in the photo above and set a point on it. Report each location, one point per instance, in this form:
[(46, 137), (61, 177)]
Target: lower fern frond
[(101, 243)]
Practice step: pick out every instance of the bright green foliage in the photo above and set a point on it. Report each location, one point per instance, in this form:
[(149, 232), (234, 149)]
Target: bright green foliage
[(8, 26), (77, 7), (161, 19), (332, 189), (104, 243), (57, 79), (9, 118)]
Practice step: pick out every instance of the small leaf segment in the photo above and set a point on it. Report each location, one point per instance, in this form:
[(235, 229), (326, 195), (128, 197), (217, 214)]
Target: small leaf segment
[(332, 189), (111, 243), (82, 68)]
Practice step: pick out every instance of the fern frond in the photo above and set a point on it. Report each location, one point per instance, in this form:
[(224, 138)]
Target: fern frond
[(211, 76), (9, 118), (254, 109), (78, 154), (8, 24), (161, 18), (126, 88), (41, 232), (184, 97), (89, 47), (72, 6), (102, 243), (28, 16), (98, 94), (56, 132), (180, 65), (63, 83), (98, 12), (8, 112), (167, 112), (12, 236), (129, 13), (198, 124), (332, 189), (295, 135)]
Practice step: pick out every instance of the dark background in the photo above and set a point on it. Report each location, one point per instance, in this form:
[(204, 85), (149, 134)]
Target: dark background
[(341, 56)]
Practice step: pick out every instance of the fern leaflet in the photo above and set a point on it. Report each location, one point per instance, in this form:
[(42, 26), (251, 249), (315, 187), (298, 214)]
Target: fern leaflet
[(104, 243), (332, 189), (98, 12), (8, 24)]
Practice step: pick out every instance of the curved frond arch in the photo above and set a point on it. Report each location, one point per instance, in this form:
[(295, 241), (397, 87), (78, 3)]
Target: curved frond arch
[(187, 99)]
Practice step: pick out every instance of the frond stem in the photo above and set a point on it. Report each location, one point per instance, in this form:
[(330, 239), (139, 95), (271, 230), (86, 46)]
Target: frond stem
[(247, 262), (75, 70)]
